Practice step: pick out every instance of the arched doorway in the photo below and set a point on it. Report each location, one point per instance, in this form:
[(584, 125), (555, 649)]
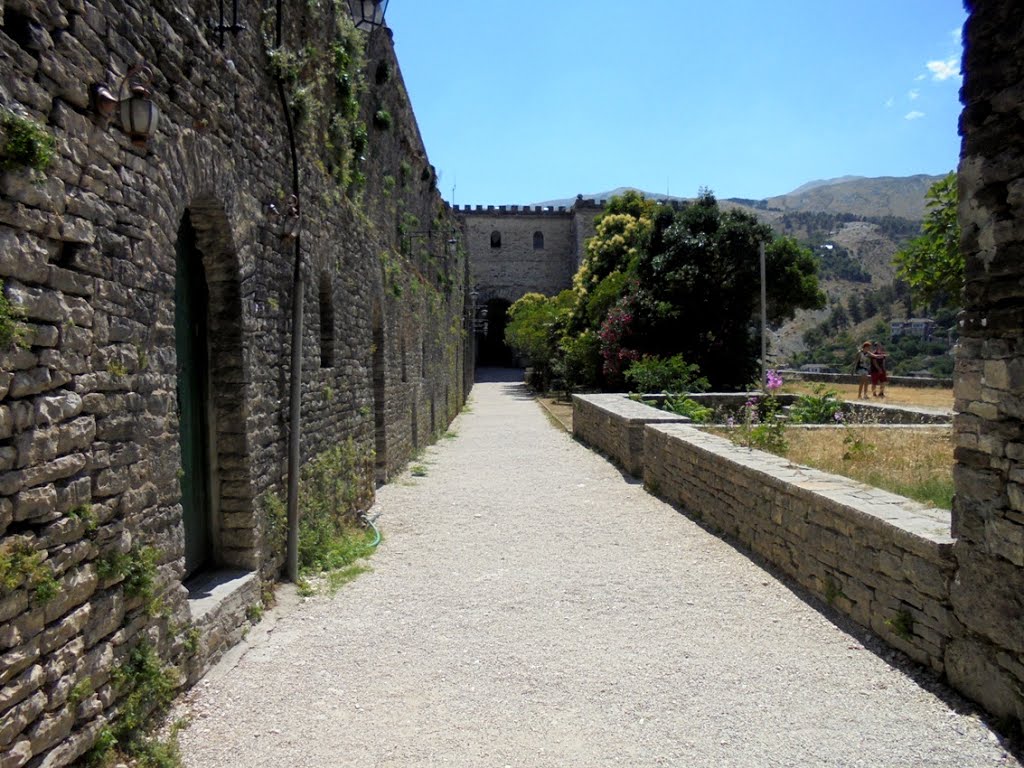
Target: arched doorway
[(493, 352), (191, 333), (219, 520)]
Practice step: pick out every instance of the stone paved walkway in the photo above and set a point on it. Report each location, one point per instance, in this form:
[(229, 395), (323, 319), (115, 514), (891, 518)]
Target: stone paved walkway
[(531, 607)]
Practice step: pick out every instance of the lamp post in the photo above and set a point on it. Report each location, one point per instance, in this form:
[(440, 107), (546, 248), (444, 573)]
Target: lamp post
[(764, 320)]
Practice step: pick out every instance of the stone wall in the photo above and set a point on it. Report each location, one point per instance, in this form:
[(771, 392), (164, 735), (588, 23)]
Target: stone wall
[(508, 259), (91, 461), (514, 252), (987, 661), (913, 382), (614, 425)]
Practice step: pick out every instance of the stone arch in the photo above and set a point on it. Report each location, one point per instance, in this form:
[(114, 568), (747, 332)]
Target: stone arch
[(223, 443), (538, 241)]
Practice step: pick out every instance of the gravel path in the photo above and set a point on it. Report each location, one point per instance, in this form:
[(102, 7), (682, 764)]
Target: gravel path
[(530, 607)]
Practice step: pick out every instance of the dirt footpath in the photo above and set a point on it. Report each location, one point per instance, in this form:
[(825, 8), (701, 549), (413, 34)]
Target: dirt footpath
[(531, 607)]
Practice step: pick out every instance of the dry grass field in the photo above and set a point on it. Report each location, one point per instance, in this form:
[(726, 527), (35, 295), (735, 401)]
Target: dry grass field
[(913, 462), (924, 396)]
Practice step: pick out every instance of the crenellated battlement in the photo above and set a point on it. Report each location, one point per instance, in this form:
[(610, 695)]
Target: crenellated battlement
[(513, 210), (579, 204)]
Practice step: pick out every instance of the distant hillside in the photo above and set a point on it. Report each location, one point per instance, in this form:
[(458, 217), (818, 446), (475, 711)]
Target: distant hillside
[(823, 183), (902, 196), (568, 201)]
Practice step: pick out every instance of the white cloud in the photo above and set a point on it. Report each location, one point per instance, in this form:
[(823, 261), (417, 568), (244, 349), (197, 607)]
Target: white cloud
[(913, 95), (915, 115), (958, 36), (919, 78), (943, 70), (889, 102)]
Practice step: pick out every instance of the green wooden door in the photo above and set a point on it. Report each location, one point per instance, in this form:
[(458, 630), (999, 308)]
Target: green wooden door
[(191, 302)]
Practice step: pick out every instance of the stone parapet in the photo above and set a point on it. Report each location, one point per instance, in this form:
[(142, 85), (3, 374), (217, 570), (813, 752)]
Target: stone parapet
[(614, 424)]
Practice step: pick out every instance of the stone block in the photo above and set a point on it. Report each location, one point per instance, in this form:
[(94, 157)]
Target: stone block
[(36, 504), (17, 754), (17, 719), (66, 658), (988, 598), (1005, 538), (50, 729), (972, 669), (23, 256), (21, 687)]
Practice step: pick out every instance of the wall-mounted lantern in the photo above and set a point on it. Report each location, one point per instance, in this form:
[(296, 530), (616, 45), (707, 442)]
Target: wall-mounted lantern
[(138, 113), (368, 14)]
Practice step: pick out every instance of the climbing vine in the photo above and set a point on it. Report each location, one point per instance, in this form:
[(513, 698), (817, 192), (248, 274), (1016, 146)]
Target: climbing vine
[(324, 87)]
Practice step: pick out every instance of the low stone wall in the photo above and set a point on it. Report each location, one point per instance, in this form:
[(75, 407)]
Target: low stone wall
[(881, 559), (614, 424)]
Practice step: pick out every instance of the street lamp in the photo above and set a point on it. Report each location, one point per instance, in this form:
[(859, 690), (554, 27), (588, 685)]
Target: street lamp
[(133, 103), (368, 14)]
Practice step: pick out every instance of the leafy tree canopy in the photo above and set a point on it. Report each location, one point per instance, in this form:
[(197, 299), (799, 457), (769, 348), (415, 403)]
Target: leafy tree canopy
[(658, 284), (932, 263)]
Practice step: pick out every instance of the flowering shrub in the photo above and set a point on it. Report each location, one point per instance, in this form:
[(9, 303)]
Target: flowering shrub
[(760, 423), (616, 326)]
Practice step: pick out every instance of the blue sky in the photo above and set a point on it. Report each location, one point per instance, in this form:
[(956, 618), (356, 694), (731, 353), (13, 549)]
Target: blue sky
[(520, 102)]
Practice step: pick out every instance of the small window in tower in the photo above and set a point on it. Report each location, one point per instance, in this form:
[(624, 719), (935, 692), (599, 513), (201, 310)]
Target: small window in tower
[(538, 241), (326, 323), (495, 239)]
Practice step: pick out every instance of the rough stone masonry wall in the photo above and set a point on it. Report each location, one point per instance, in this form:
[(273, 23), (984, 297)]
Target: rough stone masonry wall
[(516, 267), (89, 432), (987, 661)]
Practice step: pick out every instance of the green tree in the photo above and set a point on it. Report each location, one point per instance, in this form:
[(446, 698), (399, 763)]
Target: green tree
[(535, 325), (699, 289), (658, 282), (932, 263)]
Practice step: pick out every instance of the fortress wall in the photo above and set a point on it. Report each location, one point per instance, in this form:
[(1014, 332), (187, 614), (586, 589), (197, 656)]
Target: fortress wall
[(91, 465)]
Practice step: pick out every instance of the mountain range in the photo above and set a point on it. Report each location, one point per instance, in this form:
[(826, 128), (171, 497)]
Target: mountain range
[(902, 196)]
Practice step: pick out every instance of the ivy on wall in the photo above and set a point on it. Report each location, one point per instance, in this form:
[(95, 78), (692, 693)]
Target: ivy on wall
[(324, 87)]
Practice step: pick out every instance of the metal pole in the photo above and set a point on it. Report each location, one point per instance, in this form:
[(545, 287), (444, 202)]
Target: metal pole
[(764, 321), (295, 426)]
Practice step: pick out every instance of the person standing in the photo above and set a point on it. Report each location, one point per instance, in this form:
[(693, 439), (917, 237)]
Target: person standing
[(862, 368), (878, 374)]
